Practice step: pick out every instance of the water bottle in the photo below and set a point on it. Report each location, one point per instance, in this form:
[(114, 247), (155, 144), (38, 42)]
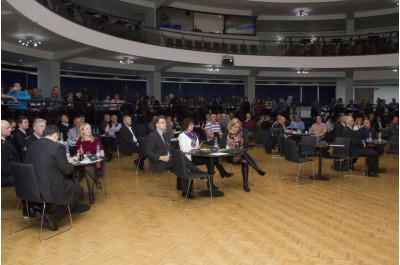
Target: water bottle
[(67, 150), (98, 151), (370, 137), (216, 142), (379, 137), (227, 146), (61, 138)]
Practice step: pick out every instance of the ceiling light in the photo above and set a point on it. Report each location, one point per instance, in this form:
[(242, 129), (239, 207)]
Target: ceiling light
[(301, 13), (126, 60), (213, 69), (29, 41), (395, 70), (302, 72)]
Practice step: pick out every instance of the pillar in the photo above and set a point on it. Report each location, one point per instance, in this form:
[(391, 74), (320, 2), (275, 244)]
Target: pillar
[(349, 87), (350, 22), (250, 88), (48, 76), (154, 85)]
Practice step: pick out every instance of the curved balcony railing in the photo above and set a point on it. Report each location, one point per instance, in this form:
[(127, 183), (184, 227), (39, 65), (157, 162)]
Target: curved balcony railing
[(374, 43)]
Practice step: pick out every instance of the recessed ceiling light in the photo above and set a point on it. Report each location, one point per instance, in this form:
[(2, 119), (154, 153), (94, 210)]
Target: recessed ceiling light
[(29, 41), (126, 60), (20, 60), (301, 13)]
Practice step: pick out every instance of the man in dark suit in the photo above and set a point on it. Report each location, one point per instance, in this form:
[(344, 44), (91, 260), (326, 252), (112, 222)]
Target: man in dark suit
[(158, 146), (51, 169), (358, 148), (38, 127), (128, 143), (393, 129), (20, 134), (338, 130), (8, 155), (64, 126)]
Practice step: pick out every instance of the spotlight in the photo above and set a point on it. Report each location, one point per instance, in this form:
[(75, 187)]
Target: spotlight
[(302, 72), (301, 13), (213, 69), (29, 41), (126, 60)]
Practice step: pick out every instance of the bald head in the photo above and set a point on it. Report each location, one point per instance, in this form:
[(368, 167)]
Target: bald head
[(5, 129)]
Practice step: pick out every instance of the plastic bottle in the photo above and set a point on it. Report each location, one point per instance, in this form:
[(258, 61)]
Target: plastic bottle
[(61, 137), (215, 142), (98, 151), (67, 150)]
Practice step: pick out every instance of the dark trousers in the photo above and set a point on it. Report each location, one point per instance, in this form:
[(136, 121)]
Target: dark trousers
[(372, 157), (182, 182)]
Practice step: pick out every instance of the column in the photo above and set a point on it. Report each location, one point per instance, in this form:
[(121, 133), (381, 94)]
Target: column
[(349, 90), (154, 85), (350, 22), (48, 76), (250, 88)]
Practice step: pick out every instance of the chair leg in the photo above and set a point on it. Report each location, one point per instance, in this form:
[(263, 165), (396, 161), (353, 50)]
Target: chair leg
[(13, 219), (55, 234), (298, 172)]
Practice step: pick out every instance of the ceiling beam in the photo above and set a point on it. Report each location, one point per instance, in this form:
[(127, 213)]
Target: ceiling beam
[(70, 54), (160, 3), (164, 66)]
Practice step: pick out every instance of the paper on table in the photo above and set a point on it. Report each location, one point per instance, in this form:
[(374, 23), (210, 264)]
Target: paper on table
[(217, 154)]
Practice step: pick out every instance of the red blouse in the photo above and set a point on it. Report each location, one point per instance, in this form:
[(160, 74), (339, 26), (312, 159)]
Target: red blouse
[(88, 146)]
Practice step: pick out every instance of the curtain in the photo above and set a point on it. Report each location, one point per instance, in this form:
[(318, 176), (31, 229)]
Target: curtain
[(326, 93), (309, 94), (27, 80)]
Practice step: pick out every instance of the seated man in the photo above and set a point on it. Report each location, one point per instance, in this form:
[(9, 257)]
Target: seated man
[(38, 127), (367, 132), (393, 135), (213, 129), (109, 143), (73, 133), (128, 143), (8, 155), (20, 134), (319, 129), (158, 146), (64, 126), (358, 148), (277, 130), (297, 124), (51, 169)]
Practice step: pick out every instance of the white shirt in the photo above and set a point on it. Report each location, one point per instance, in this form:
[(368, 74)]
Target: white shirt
[(185, 144), (130, 129)]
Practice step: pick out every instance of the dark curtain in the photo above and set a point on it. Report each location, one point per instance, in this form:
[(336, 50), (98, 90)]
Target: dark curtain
[(326, 93), (278, 91), (8, 78), (309, 94), (224, 91), (103, 87)]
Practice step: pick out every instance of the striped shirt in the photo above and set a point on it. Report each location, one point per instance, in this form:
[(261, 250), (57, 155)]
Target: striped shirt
[(213, 127)]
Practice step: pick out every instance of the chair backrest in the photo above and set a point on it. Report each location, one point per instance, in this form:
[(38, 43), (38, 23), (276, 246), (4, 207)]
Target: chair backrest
[(26, 186), (341, 151), (394, 148), (178, 162), (307, 145), (260, 139), (142, 146), (290, 151)]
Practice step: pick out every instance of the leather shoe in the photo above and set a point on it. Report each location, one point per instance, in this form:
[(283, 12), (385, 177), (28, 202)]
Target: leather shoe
[(372, 174), (48, 221), (189, 196)]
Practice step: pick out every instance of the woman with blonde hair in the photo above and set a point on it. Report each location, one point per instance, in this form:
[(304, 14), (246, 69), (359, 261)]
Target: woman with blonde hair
[(89, 144), (234, 139), (358, 124)]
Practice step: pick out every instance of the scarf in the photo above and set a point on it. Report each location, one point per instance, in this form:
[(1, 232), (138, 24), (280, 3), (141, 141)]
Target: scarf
[(192, 137)]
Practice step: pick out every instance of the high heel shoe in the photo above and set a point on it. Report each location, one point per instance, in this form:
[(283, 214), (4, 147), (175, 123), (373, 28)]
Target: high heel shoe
[(92, 199), (98, 184)]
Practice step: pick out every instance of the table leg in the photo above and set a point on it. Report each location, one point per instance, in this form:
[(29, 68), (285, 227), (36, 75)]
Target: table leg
[(319, 176)]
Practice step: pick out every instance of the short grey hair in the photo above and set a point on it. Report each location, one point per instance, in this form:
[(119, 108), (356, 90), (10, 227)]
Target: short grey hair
[(37, 121), (347, 119)]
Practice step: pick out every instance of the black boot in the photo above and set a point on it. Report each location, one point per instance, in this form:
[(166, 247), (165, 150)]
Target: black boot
[(245, 173), (222, 171), (212, 184), (252, 163)]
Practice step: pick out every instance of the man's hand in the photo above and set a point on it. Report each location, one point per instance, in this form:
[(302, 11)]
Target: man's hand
[(164, 158), (70, 160), (14, 100)]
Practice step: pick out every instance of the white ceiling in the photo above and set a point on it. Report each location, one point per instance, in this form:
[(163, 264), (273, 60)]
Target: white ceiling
[(75, 56)]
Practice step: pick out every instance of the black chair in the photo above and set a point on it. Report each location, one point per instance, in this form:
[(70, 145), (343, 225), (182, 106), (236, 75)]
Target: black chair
[(292, 155), (169, 42), (253, 49), (181, 171), (198, 45), (341, 154), (207, 46), (243, 48), (233, 48), (27, 188), (224, 47), (216, 47), (260, 138), (188, 44), (307, 146), (142, 151), (179, 43)]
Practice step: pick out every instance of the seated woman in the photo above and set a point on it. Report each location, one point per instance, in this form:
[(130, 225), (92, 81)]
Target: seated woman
[(235, 140), (89, 144), (188, 140)]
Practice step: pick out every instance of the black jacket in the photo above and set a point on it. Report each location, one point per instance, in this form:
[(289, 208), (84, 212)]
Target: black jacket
[(19, 141), (156, 148), (364, 133), (8, 155), (52, 168), (126, 144)]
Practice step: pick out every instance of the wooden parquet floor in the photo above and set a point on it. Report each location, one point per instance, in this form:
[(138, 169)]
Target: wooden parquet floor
[(340, 221)]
